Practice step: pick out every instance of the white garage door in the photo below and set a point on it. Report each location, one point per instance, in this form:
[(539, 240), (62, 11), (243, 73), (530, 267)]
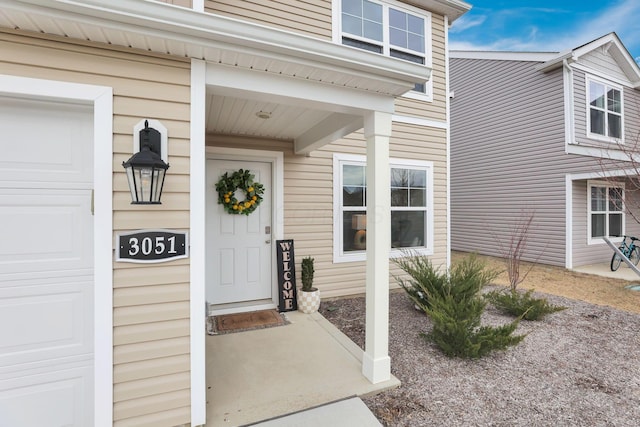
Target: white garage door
[(46, 263)]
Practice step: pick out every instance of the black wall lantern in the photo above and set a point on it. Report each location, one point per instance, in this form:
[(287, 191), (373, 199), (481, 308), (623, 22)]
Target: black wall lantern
[(146, 169)]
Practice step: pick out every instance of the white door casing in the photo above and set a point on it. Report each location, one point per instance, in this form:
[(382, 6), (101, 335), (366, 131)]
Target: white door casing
[(56, 257), (239, 247)]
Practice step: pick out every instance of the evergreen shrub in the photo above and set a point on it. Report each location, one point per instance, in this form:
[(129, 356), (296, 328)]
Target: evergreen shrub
[(453, 302), (522, 305)]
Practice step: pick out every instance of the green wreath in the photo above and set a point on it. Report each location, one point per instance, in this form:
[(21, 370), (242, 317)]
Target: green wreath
[(243, 180)]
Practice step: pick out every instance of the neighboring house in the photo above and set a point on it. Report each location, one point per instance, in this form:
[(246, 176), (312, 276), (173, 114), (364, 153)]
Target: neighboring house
[(302, 94), (533, 132)]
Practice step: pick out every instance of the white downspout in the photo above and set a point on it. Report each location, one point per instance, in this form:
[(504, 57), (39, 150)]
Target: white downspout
[(569, 135)]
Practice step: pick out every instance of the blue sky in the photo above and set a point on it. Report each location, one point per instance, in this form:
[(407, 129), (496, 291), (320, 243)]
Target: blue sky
[(544, 25)]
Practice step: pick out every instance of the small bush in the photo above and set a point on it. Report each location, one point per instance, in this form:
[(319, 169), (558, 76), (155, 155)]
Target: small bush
[(522, 305), (457, 331), (464, 279), (452, 300)]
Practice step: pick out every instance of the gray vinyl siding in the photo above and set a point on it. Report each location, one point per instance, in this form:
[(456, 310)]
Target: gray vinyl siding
[(508, 156), (603, 63), (507, 149)]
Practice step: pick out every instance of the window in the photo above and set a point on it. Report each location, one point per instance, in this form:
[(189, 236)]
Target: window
[(604, 111), (389, 29), (411, 187), (606, 216)]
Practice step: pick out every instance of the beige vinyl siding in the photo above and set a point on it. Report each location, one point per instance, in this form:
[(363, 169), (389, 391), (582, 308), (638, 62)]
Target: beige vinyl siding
[(151, 303), (308, 198), (309, 17), (436, 109)]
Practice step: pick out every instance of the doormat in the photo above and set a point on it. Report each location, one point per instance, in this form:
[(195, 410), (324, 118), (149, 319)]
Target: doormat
[(239, 322)]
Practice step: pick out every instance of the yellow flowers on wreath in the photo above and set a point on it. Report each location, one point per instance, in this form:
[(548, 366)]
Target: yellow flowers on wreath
[(240, 180)]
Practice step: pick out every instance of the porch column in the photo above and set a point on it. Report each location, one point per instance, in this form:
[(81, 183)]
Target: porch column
[(376, 364)]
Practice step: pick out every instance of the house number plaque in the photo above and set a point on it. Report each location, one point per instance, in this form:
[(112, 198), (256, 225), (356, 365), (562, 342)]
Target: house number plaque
[(151, 246)]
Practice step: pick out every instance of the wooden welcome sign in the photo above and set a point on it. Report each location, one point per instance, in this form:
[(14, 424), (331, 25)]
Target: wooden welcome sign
[(286, 276)]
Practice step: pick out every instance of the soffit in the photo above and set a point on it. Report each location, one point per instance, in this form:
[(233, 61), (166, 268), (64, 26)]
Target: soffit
[(167, 29)]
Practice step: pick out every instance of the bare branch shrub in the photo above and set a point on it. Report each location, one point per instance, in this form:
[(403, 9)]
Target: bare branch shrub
[(514, 248)]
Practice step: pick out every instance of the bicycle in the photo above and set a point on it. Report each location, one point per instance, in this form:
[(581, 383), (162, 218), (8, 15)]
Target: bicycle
[(630, 250)]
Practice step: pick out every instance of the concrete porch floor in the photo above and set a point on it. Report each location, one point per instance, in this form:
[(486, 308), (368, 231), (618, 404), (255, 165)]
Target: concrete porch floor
[(262, 374), (604, 269)]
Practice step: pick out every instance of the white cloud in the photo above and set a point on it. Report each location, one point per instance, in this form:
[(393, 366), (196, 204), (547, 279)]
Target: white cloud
[(622, 17), (465, 22)]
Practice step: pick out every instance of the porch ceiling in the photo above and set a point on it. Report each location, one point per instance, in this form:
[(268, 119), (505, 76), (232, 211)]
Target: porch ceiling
[(240, 117)]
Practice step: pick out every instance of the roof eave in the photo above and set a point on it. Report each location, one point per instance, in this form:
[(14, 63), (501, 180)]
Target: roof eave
[(452, 9), (202, 29)]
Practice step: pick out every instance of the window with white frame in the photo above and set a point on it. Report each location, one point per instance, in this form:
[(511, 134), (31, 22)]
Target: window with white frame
[(389, 28), (604, 110), (411, 187), (606, 210)]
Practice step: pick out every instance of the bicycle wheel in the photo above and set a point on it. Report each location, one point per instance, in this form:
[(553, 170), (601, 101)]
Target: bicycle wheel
[(615, 262), (634, 257)]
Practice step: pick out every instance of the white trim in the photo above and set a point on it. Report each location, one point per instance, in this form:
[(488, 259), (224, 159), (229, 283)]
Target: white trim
[(275, 88), (605, 174), (569, 107), (606, 84), (205, 35), (448, 138), (101, 98), (612, 152), (198, 6), (155, 124), (197, 220), (419, 121), (339, 159), (606, 184), (502, 56), (276, 158)]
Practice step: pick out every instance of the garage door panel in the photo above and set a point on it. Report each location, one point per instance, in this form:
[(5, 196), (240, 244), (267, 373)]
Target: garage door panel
[(56, 155), (46, 262), (55, 398), (45, 230), (49, 321)]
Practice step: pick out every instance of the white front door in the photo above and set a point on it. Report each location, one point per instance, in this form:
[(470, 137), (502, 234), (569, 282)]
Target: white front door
[(46, 263), (239, 247)]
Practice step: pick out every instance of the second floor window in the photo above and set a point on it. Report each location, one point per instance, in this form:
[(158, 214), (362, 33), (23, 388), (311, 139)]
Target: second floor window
[(386, 29), (605, 110)]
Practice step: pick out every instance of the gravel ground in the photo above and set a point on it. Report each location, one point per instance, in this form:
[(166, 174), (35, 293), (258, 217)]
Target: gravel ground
[(577, 367)]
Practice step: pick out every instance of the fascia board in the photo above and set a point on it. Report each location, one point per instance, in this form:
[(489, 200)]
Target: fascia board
[(501, 55), (557, 61), (187, 25), (453, 9)]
